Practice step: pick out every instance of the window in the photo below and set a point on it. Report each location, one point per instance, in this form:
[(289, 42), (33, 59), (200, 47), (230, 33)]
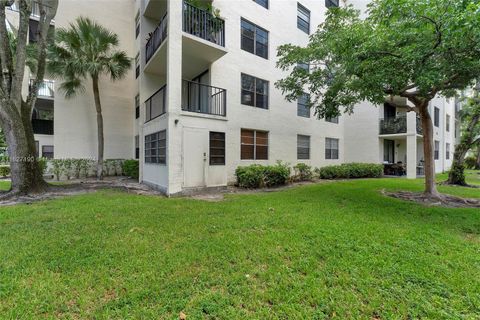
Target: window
[(155, 105), (331, 3), (137, 25), (437, 150), (303, 147), (389, 151), (33, 32), (263, 3), (137, 106), (156, 147), (217, 148), (304, 66), (303, 18), (331, 148), (447, 151), (254, 92), (137, 65), (332, 119), (254, 145), (436, 117), (447, 124), (254, 39), (137, 147), (47, 152), (303, 106)]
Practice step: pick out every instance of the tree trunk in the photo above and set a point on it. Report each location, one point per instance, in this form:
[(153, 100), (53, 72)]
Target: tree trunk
[(456, 176), (478, 157), (98, 107), (26, 175), (430, 187)]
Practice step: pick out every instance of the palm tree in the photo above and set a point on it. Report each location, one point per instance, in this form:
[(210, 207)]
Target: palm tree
[(87, 50)]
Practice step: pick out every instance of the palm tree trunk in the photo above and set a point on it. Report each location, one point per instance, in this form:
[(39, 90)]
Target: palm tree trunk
[(430, 187), (98, 107)]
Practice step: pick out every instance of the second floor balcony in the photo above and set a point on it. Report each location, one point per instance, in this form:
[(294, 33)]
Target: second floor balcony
[(393, 125), (202, 98)]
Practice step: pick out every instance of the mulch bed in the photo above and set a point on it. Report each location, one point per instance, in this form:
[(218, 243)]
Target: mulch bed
[(447, 201), (80, 187)]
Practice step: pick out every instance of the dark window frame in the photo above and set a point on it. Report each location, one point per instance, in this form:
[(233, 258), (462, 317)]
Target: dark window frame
[(256, 28), (137, 147), (447, 151), (436, 117), (303, 108), (263, 3), (447, 122), (335, 120), (332, 3), (303, 66), (213, 137), (303, 151), (137, 25), (255, 144), (436, 150), (302, 24), (137, 106), (156, 148), (48, 154), (255, 93), (330, 152), (137, 65)]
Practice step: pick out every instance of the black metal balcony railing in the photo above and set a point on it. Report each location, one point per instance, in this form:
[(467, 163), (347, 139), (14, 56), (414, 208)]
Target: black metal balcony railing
[(42, 126), (46, 88), (156, 38), (203, 24), (156, 105), (393, 125), (203, 98), (419, 126)]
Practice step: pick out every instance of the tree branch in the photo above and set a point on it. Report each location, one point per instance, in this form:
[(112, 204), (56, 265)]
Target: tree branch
[(6, 60)]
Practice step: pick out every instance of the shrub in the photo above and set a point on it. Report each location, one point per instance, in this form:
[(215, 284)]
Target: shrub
[(130, 168), (4, 171), (351, 171), (57, 168), (42, 163), (470, 162), (303, 172), (258, 176), (67, 167)]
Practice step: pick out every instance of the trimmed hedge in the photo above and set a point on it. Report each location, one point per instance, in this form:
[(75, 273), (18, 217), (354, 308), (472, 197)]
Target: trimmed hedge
[(351, 171), (303, 172), (4, 171), (130, 168), (258, 176)]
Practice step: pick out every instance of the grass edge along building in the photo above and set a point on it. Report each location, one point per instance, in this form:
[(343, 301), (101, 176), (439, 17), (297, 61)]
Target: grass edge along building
[(201, 101)]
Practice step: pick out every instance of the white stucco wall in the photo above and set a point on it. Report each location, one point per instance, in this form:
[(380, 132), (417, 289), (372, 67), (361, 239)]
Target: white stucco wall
[(75, 119)]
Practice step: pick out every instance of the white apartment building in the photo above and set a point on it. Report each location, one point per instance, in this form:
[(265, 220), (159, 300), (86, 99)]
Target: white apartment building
[(201, 99)]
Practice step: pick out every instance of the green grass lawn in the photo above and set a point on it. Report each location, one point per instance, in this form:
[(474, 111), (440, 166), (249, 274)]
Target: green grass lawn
[(333, 250), (471, 176)]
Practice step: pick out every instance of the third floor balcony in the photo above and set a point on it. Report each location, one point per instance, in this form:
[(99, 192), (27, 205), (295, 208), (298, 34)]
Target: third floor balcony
[(203, 40)]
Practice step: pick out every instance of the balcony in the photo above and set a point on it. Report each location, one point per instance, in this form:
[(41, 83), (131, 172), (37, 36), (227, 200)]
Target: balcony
[(42, 126), (205, 99), (419, 126), (202, 24), (394, 125), (157, 37), (46, 89)]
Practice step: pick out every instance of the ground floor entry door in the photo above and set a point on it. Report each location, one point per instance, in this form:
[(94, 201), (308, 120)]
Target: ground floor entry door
[(195, 150)]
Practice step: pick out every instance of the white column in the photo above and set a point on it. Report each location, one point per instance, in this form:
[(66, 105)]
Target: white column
[(174, 96)]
